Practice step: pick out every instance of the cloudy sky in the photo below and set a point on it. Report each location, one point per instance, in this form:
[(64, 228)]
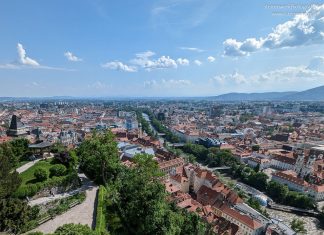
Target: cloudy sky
[(159, 48)]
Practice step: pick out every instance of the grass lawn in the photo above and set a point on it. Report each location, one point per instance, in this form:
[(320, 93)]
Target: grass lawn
[(28, 175), (21, 163)]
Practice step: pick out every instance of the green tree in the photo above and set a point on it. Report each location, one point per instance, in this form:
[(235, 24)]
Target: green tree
[(20, 148), (277, 191), (40, 174), (255, 148), (258, 180), (254, 204), (192, 224), (73, 161), (139, 201), (99, 157), (9, 179), (304, 201), (14, 215), (298, 226), (6, 149), (58, 148)]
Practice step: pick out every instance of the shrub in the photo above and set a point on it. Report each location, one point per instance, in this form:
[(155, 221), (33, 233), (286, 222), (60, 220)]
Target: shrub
[(41, 174), (30, 190), (74, 229), (57, 170)]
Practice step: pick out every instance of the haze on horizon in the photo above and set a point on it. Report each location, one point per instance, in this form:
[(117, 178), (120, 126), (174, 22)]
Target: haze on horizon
[(162, 48)]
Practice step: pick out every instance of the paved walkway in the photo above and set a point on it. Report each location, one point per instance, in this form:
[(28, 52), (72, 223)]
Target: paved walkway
[(27, 166), (80, 214)]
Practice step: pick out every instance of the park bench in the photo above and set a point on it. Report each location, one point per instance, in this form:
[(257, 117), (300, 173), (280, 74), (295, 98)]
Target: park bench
[(74, 204), (43, 220)]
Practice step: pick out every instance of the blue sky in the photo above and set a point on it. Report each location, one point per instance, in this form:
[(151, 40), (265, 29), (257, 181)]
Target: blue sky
[(159, 48)]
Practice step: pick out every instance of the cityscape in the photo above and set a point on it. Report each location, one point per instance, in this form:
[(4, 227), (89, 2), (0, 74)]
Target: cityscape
[(167, 117), (249, 167)]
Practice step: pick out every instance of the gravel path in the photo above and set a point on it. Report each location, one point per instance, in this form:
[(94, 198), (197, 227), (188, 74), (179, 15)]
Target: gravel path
[(80, 214)]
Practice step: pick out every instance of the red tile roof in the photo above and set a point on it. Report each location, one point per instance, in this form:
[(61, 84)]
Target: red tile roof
[(244, 219)]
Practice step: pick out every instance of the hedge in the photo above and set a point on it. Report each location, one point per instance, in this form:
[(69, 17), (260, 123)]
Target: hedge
[(30, 190), (101, 222)]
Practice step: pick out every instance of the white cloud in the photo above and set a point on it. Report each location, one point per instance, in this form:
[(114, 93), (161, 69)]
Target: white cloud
[(23, 59), (150, 83), (25, 62), (182, 61), (289, 74), (145, 54), (195, 49), (9, 66), (37, 85), (198, 62), (117, 65), (291, 77), (167, 84), (98, 85), (144, 61), (230, 78), (32, 85), (69, 55), (180, 82), (303, 29), (211, 59)]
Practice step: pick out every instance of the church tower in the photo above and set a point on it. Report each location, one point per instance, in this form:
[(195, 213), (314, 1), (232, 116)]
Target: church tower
[(299, 162), (307, 169), (140, 131)]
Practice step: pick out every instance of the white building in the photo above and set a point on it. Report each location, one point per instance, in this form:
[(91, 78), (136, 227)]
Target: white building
[(316, 192), (283, 162), (262, 162), (290, 179)]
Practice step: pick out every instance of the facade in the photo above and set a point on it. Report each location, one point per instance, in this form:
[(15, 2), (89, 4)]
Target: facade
[(169, 167), (261, 162), (68, 138), (186, 136), (246, 224), (131, 123), (283, 162), (290, 179), (316, 192)]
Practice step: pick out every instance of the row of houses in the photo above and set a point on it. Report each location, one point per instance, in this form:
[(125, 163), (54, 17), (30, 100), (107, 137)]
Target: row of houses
[(200, 191), (295, 183)]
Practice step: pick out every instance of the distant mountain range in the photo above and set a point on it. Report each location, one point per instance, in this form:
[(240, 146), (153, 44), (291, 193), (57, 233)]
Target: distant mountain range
[(314, 94)]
